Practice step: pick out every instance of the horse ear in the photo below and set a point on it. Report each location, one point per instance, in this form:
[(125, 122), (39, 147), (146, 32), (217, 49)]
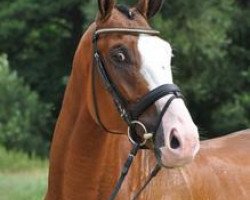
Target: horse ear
[(148, 8), (105, 8)]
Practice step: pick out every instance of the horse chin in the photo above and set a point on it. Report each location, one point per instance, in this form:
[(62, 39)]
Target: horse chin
[(173, 161)]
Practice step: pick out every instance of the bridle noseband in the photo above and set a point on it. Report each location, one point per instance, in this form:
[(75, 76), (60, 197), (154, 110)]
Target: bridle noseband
[(130, 113)]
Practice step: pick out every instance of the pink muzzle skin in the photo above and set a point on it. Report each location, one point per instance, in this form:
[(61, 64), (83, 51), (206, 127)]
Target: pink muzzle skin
[(180, 136)]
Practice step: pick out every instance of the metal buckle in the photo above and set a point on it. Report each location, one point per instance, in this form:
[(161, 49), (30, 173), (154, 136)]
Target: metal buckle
[(146, 135)]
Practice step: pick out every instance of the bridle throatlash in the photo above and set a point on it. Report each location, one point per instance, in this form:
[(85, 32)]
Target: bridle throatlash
[(130, 113)]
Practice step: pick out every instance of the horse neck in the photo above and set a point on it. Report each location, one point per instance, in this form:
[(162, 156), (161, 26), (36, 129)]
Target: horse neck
[(84, 161)]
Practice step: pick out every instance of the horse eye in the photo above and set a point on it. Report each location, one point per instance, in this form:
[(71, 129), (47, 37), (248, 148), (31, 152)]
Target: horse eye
[(120, 57)]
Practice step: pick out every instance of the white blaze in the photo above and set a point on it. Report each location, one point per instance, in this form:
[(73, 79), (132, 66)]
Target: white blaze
[(156, 69), (156, 60), (156, 57)]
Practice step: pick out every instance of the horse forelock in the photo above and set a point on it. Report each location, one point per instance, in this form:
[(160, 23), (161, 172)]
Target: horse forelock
[(124, 9)]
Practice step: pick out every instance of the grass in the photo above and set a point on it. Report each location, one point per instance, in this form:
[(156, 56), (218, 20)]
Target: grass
[(21, 178)]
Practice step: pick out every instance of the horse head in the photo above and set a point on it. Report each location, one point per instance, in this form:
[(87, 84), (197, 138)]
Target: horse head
[(133, 66)]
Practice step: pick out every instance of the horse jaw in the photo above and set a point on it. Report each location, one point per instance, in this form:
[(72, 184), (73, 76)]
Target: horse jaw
[(179, 133)]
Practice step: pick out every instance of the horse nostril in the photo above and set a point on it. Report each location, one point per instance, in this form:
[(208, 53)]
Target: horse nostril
[(174, 142)]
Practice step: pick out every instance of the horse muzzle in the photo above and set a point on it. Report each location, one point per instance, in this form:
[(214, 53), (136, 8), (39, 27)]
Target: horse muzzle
[(177, 138)]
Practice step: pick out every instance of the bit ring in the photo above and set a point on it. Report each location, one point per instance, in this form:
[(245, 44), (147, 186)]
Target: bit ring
[(146, 135)]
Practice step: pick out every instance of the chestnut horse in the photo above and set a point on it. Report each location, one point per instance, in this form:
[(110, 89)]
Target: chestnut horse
[(86, 159)]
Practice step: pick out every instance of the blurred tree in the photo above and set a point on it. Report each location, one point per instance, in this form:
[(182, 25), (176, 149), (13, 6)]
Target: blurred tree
[(234, 112), (23, 118), (40, 38)]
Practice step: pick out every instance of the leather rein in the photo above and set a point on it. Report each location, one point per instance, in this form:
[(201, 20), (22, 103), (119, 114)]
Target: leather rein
[(130, 113)]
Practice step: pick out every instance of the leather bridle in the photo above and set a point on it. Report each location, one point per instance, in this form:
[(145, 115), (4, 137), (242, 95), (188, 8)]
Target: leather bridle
[(130, 113)]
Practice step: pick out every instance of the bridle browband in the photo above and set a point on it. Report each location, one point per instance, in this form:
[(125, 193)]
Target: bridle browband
[(130, 113), (126, 31)]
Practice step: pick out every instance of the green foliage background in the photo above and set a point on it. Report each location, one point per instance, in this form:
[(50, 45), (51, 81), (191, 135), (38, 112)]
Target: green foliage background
[(210, 40), (24, 119)]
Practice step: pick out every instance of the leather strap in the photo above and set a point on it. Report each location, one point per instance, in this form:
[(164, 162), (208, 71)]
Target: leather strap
[(110, 86), (135, 31), (150, 98)]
